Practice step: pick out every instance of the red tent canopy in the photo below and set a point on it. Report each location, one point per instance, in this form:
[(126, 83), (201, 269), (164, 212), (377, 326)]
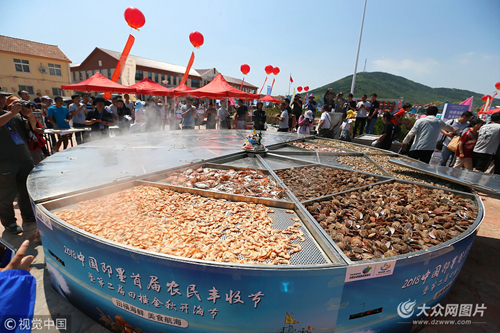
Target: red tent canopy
[(99, 83), (489, 111), (219, 88), (149, 87), (269, 98), (182, 90)]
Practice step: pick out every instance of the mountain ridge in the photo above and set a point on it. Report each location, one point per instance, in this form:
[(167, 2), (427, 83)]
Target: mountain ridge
[(389, 86)]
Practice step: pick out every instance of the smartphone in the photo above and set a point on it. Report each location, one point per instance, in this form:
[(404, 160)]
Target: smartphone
[(7, 253)]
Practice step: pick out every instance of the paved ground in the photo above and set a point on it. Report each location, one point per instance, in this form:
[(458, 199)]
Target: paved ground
[(477, 282)]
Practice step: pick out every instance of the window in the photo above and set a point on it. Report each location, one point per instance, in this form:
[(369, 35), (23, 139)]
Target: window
[(74, 77), (57, 92), (110, 73), (162, 78), (55, 70), (94, 71), (195, 83), (156, 77), (88, 74), (139, 75), (29, 89), (22, 66), (150, 75)]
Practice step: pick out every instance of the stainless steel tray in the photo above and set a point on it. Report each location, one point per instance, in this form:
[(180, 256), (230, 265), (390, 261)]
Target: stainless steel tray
[(310, 255)]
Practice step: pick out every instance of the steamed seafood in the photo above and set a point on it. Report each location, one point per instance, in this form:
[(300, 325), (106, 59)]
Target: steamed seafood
[(187, 225)]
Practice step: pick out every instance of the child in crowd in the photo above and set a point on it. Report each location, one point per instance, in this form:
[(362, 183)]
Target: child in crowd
[(306, 122), (346, 127)]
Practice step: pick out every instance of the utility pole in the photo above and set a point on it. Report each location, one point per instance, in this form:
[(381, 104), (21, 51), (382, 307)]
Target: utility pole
[(359, 46)]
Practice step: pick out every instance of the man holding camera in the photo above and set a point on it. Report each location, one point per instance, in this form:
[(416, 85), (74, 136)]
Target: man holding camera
[(15, 164), (99, 120)]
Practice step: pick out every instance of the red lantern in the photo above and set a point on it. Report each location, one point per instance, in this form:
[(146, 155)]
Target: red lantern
[(486, 97), (269, 69), (245, 69), (497, 85), (299, 89), (276, 70), (134, 17), (306, 88), (196, 38)]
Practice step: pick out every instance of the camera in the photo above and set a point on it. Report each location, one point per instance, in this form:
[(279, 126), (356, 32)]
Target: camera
[(25, 104)]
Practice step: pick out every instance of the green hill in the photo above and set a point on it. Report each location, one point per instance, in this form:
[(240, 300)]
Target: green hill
[(388, 86)]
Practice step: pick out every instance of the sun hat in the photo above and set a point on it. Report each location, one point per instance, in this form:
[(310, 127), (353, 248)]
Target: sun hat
[(350, 114), (309, 115), (311, 95)]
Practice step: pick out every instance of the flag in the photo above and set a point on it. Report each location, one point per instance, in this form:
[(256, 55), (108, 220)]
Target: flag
[(290, 320), (468, 102), (291, 80), (310, 328)]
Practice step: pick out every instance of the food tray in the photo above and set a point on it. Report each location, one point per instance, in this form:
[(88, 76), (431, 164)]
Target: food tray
[(315, 181), (254, 186), (412, 175), (349, 146), (310, 254), (354, 161), (420, 220), (312, 145)]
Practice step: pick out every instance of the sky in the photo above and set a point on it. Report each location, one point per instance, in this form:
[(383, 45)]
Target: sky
[(438, 43)]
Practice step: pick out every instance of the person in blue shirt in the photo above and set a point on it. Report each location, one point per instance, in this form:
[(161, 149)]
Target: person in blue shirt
[(59, 117), (18, 290)]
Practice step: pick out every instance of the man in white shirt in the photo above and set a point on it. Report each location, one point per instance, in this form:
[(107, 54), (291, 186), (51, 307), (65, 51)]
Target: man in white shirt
[(283, 118), (130, 105), (325, 122), (223, 117), (487, 145), (426, 132), (113, 108), (78, 112), (362, 109)]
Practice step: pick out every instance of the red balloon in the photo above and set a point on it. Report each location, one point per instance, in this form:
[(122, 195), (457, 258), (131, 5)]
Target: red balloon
[(306, 88), (299, 89), (497, 85), (134, 17), (196, 38), (276, 70), (269, 69), (245, 69), (486, 97)]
